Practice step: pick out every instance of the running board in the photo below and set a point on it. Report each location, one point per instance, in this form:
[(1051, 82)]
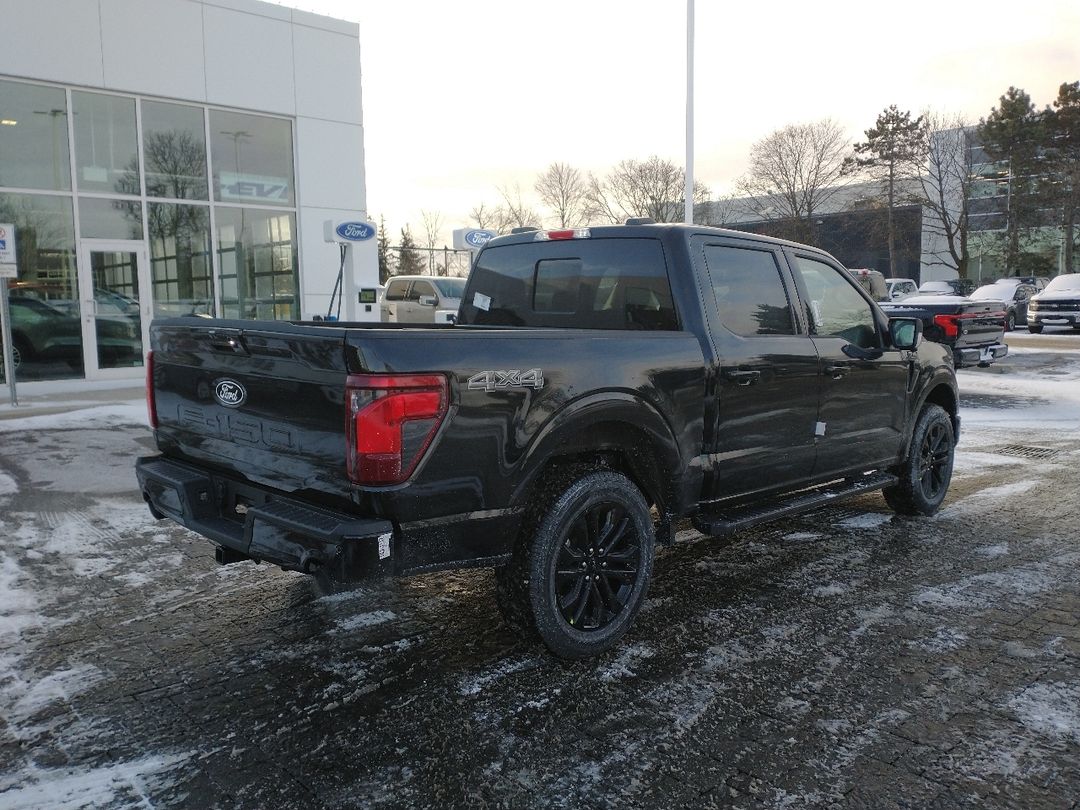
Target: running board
[(732, 520)]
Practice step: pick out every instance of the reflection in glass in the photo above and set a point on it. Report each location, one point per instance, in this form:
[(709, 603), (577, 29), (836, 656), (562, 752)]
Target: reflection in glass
[(33, 127), (252, 158), (106, 152), (110, 219), (46, 331), (117, 320), (180, 267), (174, 151), (258, 260)]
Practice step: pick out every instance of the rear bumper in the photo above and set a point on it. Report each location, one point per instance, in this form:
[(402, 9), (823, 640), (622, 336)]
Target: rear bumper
[(249, 522), (979, 355)]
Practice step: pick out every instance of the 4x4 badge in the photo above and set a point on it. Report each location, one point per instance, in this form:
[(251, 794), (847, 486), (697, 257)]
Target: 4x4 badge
[(230, 393), (497, 380)]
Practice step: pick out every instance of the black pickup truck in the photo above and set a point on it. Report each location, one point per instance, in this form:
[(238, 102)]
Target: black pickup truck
[(599, 385), (974, 330)]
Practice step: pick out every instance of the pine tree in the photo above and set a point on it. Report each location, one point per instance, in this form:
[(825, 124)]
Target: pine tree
[(1063, 150), (890, 155), (385, 270), (1011, 134), (410, 262)]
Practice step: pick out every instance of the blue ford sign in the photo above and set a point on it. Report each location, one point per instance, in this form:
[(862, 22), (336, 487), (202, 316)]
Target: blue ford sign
[(478, 239), (355, 231)]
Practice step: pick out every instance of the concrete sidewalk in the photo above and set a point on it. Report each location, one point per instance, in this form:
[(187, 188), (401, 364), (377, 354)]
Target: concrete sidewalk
[(59, 396)]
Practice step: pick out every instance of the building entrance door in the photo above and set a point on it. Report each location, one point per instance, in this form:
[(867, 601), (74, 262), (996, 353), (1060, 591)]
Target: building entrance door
[(114, 284)]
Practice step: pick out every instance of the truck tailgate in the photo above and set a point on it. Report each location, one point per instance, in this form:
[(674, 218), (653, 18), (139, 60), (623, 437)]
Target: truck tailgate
[(265, 405)]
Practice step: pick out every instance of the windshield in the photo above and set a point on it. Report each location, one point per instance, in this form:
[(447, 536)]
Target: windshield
[(1069, 282), (992, 292), (450, 287), (936, 286)]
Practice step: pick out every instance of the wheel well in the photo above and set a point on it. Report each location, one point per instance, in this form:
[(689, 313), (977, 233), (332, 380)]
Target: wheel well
[(613, 446), (943, 395)]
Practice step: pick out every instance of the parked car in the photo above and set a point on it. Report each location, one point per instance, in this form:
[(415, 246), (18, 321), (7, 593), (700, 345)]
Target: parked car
[(900, 288), (873, 282), (421, 299), (599, 385), (1012, 293), (1057, 305)]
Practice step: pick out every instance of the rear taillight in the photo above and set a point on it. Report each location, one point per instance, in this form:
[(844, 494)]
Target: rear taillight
[(151, 399), (390, 422), (950, 324)]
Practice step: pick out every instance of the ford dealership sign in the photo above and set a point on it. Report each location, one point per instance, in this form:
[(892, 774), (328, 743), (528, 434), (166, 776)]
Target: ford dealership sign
[(355, 231), (472, 238), (478, 239)]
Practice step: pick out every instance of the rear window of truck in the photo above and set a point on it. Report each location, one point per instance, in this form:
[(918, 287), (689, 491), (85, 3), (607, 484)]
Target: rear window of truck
[(580, 283)]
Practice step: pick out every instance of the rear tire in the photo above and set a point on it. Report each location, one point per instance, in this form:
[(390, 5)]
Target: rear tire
[(1035, 328), (581, 572), (1010, 321), (926, 472)]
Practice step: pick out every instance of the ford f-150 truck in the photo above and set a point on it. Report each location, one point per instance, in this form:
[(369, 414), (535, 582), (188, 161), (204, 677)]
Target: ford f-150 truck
[(599, 385)]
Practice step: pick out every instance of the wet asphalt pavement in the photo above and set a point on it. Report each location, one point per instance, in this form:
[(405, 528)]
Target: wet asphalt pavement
[(844, 658)]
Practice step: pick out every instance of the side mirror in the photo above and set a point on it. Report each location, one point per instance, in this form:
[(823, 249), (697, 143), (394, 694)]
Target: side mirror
[(904, 333), (428, 301)]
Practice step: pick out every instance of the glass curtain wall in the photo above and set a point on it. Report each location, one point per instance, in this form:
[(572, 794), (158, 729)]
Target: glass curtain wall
[(210, 192)]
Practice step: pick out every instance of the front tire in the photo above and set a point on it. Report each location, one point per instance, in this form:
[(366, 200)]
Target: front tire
[(582, 571), (926, 472), (1010, 321), (1035, 328)]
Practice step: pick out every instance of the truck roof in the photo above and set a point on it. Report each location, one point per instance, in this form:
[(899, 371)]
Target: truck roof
[(651, 230)]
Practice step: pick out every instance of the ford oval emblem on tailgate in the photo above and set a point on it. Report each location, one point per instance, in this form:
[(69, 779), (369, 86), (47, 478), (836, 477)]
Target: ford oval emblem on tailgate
[(230, 393)]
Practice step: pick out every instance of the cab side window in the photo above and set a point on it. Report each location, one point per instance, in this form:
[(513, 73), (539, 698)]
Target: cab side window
[(420, 288), (749, 291), (834, 308), (396, 291)]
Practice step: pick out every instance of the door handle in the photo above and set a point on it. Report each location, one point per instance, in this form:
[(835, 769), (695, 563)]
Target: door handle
[(743, 377), (836, 372)]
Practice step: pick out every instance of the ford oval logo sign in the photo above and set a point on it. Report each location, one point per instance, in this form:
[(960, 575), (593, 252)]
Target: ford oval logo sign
[(479, 238), (355, 231), (230, 393)]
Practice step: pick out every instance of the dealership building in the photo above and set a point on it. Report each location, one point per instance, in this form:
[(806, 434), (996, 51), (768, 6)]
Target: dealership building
[(171, 157)]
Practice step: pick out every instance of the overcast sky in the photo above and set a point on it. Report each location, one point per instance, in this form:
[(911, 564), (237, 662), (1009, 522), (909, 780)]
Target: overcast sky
[(461, 97)]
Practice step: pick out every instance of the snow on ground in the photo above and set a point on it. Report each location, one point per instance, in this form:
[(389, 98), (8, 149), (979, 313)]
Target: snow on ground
[(99, 416), (72, 789)]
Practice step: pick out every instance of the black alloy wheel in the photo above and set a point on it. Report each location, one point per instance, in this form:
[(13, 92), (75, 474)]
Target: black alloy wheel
[(597, 567), (935, 460), (581, 569), (924, 476)]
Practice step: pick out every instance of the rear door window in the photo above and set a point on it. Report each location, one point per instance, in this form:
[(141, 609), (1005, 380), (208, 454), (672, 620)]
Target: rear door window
[(580, 283), (749, 291)]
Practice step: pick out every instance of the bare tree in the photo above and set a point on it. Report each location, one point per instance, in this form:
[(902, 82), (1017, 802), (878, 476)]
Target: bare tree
[(794, 171), (518, 213), (716, 213), (433, 227), (946, 182), (489, 217), (651, 188), (563, 189)]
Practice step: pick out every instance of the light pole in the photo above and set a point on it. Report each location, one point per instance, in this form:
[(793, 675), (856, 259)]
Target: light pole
[(688, 192)]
